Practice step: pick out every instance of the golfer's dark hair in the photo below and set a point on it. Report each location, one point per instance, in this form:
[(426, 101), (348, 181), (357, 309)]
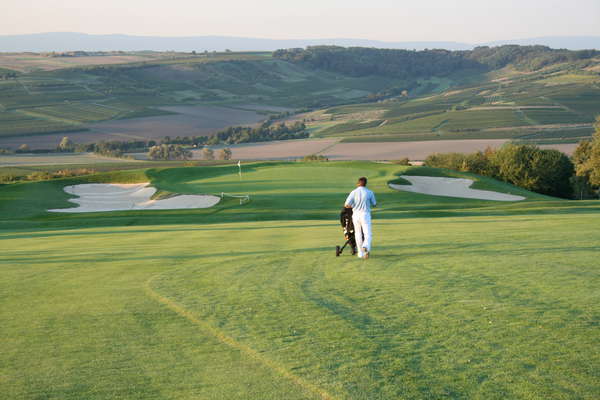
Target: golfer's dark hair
[(362, 181)]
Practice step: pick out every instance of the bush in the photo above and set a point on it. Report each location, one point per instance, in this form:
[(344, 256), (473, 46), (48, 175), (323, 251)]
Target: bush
[(314, 157), (225, 154), (39, 176), (167, 152), (8, 179), (453, 161), (208, 154), (263, 133), (402, 161), (24, 148), (66, 145), (587, 159), (544, 171), (65, 173)]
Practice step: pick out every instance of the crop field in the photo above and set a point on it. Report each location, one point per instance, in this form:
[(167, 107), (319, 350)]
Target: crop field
[(36, 62), (553, 116), (16, 124), (486, 110), (460, 299), (54, 159), (180, 121), (79, 112), (382, 148)]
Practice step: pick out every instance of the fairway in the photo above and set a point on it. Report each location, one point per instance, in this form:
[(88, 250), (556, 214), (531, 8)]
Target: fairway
[(461, 299)]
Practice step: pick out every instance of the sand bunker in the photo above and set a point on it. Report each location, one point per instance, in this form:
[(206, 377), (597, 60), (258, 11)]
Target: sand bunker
[(96, 197), (451, 187)]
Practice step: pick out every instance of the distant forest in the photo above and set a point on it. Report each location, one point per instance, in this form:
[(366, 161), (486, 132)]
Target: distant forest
[(410, 64)]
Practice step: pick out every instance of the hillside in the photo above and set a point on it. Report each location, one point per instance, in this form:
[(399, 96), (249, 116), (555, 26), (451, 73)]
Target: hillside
[(505, 92), (527, 94)]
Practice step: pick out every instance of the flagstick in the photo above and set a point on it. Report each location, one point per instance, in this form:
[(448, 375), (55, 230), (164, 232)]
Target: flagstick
[(240, 167)]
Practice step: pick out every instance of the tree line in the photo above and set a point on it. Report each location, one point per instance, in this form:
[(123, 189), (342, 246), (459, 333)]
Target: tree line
[(549, 172), (412, 64), (263, 133)]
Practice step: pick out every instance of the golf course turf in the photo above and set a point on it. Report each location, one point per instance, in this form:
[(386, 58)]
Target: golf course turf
[(461, 299)]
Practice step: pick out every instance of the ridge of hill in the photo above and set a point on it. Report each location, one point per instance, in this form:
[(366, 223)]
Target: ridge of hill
[(72, 41)]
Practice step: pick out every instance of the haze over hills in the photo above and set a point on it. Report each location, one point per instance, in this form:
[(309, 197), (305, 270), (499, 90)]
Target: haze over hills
[(70, 41)]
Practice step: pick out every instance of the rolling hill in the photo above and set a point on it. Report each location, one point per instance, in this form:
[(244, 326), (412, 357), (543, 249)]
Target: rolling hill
[(530, 93)]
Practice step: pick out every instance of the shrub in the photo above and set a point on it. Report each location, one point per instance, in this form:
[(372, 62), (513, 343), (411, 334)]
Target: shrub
[(402, 161), (587, 159), (24, 148), (66, 145), (314, 157), (8, 179), (543, 171), (453, 161), (39, 176), (208, 153), (168, 152), (225, 154), (65, 173)]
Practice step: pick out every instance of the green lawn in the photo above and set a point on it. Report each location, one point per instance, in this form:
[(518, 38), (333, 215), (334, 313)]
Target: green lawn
[(461, 299)]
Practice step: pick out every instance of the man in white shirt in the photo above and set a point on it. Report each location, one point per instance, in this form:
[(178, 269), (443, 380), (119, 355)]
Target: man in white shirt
[(361, 200)]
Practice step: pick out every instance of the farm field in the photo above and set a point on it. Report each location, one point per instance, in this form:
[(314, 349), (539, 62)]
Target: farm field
[(413, 150), (185, 121), (334, 149), (37, 62), (178, 121), (14, 160), (274, 150), (32, 62), (524, 105), (249, 301)]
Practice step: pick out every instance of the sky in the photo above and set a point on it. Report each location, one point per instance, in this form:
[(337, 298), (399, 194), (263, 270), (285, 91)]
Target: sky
[(470, 21)]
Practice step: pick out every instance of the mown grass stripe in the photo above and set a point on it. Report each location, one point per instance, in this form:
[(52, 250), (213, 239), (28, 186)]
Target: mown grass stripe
[(229, 341)]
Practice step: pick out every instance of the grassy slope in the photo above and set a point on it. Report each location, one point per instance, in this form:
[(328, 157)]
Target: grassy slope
[(475, 111), (489, 301), (67, 99)]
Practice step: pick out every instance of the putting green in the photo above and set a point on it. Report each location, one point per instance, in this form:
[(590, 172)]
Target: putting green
[(461, 299)]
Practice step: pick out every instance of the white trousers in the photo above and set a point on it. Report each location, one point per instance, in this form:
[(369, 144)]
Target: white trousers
[(362, 227)]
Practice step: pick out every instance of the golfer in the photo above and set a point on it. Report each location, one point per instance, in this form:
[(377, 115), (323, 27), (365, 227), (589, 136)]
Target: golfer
[(360, 200)]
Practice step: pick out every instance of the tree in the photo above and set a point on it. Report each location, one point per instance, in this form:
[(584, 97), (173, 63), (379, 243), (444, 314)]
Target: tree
[(225, 154), (587, 163), (169, 152), (208, 154), (66, 145), (24, 148), (543, 171)]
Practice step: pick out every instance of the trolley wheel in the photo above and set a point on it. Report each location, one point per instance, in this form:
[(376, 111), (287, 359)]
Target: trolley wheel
[(337, 251)]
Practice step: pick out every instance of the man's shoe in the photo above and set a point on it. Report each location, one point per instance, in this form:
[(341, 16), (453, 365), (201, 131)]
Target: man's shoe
[(366, 253)]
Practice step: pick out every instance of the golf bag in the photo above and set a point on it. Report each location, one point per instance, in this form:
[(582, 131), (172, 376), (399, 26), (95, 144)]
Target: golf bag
[(348, 227)]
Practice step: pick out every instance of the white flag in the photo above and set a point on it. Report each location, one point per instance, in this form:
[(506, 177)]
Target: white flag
[(239, 163)]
